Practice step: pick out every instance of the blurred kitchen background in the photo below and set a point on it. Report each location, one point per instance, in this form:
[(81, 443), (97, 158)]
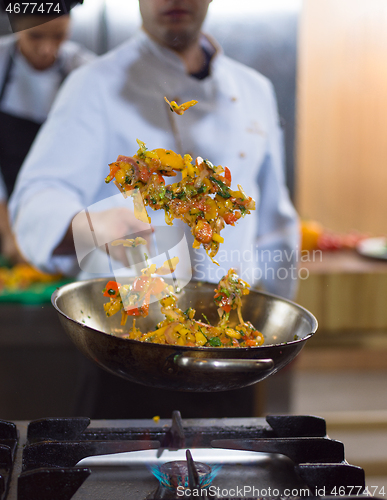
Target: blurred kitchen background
[(327, 61)]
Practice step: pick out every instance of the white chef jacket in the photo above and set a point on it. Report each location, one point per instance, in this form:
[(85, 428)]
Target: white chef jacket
[(31, 92), (105, 106)]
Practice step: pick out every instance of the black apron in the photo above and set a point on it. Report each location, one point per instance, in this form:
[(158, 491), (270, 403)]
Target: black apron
[(16, 133)]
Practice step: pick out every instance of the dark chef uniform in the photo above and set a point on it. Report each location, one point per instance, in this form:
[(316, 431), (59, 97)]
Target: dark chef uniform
[(20, 120)]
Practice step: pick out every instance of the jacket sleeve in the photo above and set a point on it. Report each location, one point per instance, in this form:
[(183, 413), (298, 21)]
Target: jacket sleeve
[(278, 230), (61, 174)]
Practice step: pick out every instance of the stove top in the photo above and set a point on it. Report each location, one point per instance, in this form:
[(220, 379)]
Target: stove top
[(79, 459)]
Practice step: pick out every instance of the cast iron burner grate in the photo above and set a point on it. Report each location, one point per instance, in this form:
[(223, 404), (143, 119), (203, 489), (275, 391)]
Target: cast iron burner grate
[(40, 460)]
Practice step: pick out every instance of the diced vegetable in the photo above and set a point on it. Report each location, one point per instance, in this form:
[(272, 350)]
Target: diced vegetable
[(180, 327), (203, 199)]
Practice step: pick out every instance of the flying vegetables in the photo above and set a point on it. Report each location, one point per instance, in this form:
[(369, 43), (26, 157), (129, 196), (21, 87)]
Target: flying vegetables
[(203, 198)]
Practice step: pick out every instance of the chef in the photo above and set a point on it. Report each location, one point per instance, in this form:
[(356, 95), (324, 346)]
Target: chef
[(106, 106), (100, 112), (33, 64)]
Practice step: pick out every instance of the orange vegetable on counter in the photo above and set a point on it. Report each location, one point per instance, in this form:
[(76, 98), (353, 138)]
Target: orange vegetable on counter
[(310, 233)]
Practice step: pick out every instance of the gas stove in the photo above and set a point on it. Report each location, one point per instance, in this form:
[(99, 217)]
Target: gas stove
[(78, 459)]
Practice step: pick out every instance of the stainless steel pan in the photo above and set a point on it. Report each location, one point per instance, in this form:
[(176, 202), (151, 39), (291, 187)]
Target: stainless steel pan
[(286, 327)]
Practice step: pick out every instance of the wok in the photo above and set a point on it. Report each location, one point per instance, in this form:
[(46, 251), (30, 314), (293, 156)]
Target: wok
[(286, 327)]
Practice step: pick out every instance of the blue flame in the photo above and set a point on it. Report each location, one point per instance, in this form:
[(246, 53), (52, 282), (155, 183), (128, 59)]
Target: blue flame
[(204, 481)]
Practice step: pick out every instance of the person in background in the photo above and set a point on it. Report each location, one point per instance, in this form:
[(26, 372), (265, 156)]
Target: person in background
[(33, 64), (101, 111)]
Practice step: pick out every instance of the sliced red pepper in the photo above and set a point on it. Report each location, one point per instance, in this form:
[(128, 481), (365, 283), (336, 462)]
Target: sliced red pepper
[(203, 231), (251, 342), (145, 305), (161, 179), (111, 289), (180, 207), (133, 312), (226, 308), (230, 218), (224, 303), (144, 175), (199, 205), (114, 168), (227, 176)]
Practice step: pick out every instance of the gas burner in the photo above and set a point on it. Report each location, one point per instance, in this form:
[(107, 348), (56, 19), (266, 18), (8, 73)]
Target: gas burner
[(175, 475), (234, 458), (183, 478)]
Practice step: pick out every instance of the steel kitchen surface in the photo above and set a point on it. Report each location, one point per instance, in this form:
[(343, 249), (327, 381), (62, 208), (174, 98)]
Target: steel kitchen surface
[(79, 459)]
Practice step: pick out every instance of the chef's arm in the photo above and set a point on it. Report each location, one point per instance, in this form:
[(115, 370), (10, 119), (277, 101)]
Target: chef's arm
[(61, 176)]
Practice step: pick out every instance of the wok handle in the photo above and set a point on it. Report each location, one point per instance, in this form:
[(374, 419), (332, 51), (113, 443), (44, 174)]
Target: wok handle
[(220, 365)]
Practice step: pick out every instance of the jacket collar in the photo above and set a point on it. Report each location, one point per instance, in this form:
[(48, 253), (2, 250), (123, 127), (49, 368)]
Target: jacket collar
[(170, 57)]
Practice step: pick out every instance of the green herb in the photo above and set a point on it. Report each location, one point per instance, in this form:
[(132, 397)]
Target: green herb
[(224, 190), (187, 311), (190, 191), (162, 192), (205, 317), (197, 214), (215, 342), (224, 194), (203, 332), (225, 315)]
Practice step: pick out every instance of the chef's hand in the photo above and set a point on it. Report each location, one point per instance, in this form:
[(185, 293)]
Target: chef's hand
[(95, 229), (116, 224)]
